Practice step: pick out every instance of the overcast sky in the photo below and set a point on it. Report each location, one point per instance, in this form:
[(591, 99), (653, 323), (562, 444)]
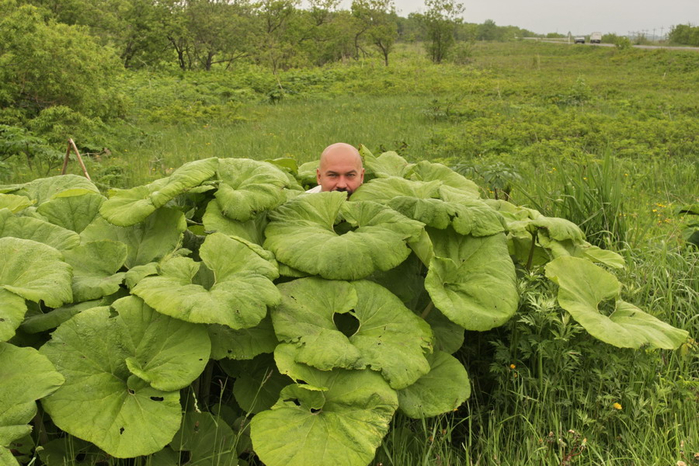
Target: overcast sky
[(578, 17)]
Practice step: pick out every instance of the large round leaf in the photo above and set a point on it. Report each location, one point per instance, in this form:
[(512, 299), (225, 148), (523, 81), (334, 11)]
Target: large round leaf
[(428, 171), (233, 288), (385, 165), (31, 271), (15, 203), (245, 343), (441, 390), (303, 235), (472, 280), (95, 265), (252, 230), (45, 189), (388, 337), (106, 361), (257, 383), (248, 187), (73, 212), (431, 203), (37, 230), (130, 206), (26, 377), (148, 241), (583, 287), (208, 439), (341, 425), (167, 353), (12, 311)]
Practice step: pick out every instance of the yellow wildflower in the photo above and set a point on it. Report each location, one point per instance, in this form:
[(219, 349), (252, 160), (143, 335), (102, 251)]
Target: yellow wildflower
[(616, 406)]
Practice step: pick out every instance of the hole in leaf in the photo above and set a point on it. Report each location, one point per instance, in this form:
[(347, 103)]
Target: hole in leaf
[(157, 398), (293, 400), (131, 392), (343, 227), (121, 431), (346, 323), (204, 277), (607, 307), (315, 411), (80, 457)]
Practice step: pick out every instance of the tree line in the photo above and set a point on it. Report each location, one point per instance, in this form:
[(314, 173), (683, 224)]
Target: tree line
[(684, 34), (203, 34)]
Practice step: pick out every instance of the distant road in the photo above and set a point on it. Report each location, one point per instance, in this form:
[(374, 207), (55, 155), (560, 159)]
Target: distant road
[(696, 49)]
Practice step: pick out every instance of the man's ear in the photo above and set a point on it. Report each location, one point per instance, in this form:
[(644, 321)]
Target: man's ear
[(318, 175)]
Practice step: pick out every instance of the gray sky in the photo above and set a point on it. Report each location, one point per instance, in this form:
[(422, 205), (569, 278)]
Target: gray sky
[(578, 17)]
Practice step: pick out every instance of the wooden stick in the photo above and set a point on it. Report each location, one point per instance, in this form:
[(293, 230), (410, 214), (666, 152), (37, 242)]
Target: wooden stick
[(65, 160), (71, 145), (80, 159)]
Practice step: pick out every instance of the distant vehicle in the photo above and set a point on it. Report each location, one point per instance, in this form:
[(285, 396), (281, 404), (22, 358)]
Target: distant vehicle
[(580, 40), (596, 38)]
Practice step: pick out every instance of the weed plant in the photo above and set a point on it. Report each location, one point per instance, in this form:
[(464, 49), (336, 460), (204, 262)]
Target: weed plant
[(604, 137)]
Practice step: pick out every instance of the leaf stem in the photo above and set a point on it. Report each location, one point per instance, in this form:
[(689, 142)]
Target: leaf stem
[(530, 259), (427, 310)]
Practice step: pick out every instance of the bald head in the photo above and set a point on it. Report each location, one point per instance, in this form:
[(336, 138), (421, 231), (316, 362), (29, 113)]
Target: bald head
[(340, 168)]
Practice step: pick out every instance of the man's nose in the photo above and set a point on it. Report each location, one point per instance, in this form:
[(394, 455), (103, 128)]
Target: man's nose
[(342, 182)]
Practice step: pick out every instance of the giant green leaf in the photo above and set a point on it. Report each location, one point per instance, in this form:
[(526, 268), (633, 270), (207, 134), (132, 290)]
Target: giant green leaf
[(167, 353), (7, 458), (95, 265), (15, 203), (146, 242), (441, 390), (245, 343), (430, 203), (31, 271), (258, 383), (341, 425), (353, 325), (385, 165), (26, 377), (12, 311), (37, 230), (448, 336), (472, 280), (130, 206), (45, 189), (248, 187), (303, 235), (252, 230), (112, 361), (428, 171), (208, 439), (37, 323), (233, 287), (72, 212), (585, 287)]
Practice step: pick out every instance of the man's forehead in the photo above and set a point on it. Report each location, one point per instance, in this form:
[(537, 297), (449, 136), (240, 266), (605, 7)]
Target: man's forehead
[(344, 170), (339, 158)]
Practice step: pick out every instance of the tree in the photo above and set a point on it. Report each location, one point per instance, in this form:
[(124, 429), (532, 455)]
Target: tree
[(488, 30), (440, 21), (44, 63), (376, 21)]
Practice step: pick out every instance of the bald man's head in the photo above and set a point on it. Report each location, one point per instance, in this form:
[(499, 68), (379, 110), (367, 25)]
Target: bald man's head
[(340, 168)]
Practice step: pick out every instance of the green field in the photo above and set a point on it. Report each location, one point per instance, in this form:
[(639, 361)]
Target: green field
[(604, 137)]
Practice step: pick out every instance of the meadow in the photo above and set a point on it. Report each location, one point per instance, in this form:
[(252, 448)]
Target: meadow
[(604, 137)]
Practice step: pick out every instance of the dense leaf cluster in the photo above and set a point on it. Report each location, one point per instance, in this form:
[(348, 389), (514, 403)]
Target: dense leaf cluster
[(330, 314)]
